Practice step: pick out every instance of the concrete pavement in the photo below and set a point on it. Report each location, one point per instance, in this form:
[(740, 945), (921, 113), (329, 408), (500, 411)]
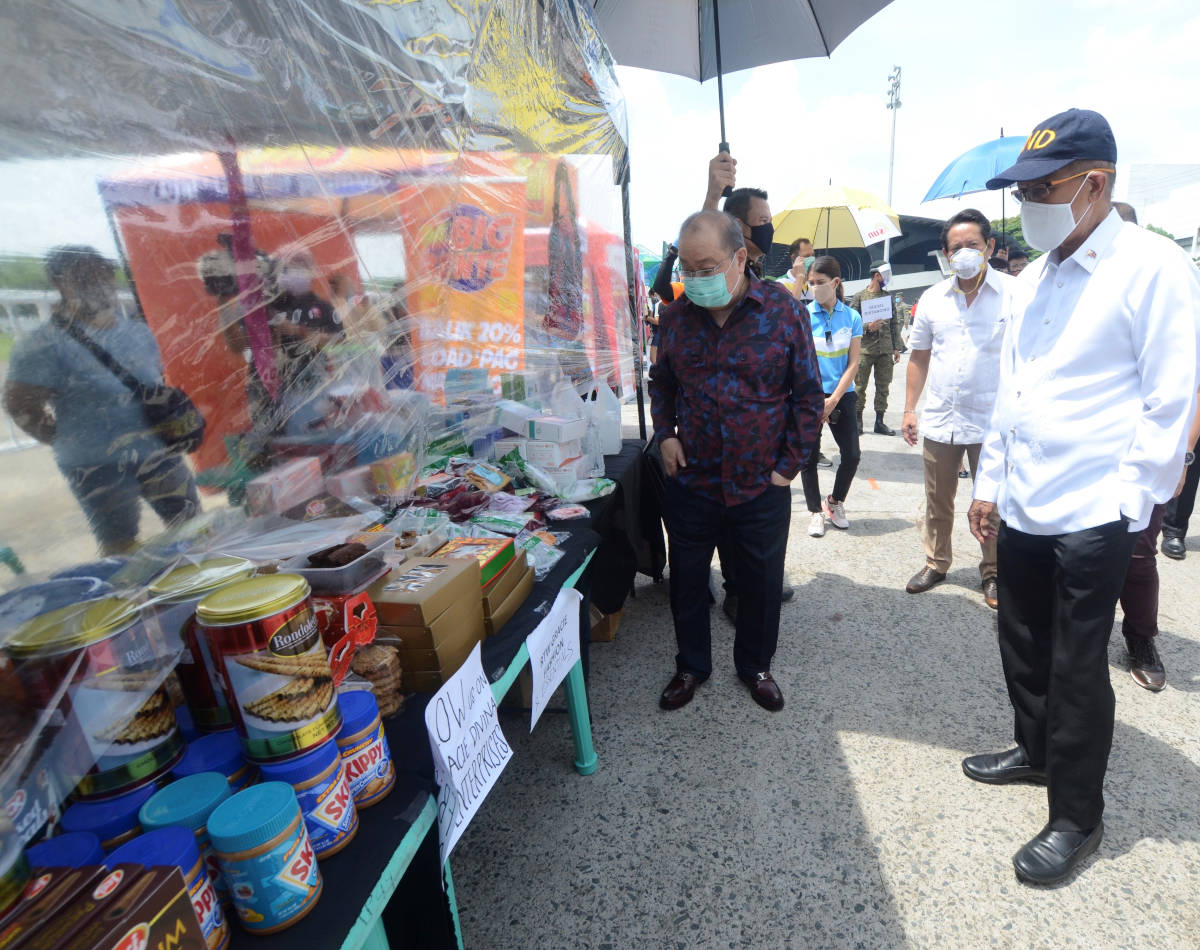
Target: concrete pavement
[(845, 820)]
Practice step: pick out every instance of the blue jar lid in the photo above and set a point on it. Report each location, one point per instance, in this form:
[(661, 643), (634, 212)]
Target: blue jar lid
[(162, 847), (103, 570), (359, 710), (186, 802), (216, 752), (253, 817), (108, 819), (304, 767), (76, 849), (187, 725)]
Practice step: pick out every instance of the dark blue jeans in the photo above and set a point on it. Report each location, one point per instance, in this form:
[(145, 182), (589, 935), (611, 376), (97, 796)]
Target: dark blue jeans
[(753, 535)]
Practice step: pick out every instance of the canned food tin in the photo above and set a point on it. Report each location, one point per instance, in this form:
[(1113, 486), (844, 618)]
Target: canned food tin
[(102, 652), (268, 651), (176, 594)]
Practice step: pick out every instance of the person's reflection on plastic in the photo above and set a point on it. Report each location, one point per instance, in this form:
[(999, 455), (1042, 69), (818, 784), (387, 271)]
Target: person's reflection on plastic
[(62, 395), (303, 324)]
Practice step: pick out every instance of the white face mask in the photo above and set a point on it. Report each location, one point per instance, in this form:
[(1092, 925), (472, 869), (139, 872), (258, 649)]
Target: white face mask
[(1046, 226), (825, 294), (967, 262), (295, 282)]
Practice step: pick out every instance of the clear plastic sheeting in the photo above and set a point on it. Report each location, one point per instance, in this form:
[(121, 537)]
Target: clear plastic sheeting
[(285, 277)]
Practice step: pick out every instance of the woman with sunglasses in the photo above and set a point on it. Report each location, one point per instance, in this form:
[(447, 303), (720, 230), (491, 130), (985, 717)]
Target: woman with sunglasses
[(837, 333)]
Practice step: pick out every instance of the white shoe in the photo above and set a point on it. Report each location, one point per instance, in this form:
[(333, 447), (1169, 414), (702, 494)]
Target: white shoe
[(816, 525), (835, 512)]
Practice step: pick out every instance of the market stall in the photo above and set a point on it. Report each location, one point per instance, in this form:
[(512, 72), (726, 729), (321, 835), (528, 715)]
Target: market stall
[(322, 416)]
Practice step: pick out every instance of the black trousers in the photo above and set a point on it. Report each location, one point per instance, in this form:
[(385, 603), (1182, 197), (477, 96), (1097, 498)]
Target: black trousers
[(845, 434), (1179, 509), (755, 534), (1058, 596)]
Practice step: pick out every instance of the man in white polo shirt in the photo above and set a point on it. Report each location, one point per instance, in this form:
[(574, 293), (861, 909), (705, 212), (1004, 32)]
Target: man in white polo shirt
[(955, 343), (1097, 383)]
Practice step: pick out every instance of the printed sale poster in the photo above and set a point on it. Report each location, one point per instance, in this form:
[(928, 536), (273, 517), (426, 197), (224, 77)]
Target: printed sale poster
[(466, 283)]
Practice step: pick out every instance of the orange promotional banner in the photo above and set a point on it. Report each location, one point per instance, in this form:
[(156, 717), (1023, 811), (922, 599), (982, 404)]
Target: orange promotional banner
[(466, 277)]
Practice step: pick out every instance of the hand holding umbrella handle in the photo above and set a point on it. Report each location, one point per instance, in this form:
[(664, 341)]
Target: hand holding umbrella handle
[(724, 147)]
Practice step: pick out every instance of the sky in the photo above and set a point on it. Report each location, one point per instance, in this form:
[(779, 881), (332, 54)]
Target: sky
[(968, 71)]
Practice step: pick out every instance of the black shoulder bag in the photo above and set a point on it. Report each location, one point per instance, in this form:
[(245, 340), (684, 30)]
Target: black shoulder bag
[(169, 411)]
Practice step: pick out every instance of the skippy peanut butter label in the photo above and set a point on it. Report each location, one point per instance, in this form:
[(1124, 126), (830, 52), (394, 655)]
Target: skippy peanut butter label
[(329, 811), (271, 888), (369, 767), (284, 691)]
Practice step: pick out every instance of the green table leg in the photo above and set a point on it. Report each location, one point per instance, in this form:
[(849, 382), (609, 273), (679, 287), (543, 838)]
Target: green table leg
[(453, 901), (581, 726), (376, 939)]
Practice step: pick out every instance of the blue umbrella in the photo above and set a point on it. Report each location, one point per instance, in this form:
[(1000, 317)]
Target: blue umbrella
[(971, 170)]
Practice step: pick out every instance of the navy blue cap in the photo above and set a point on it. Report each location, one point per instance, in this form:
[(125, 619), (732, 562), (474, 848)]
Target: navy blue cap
[(1058, 141)]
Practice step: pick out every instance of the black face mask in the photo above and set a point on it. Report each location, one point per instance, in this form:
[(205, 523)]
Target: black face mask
[(761, 235)]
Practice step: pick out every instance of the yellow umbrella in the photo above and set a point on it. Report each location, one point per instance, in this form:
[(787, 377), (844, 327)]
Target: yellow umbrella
[(833, 216)]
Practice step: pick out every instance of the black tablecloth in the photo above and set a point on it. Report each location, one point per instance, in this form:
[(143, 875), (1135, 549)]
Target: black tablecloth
[(418, 915), (630, 528)]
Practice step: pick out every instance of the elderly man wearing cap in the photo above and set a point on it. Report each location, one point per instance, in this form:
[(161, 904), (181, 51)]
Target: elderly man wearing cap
[(1097, 383), (881, 343)]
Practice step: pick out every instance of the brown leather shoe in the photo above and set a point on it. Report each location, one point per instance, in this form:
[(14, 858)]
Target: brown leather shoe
[(924, 579), (991, 594), (765, 691), (679, 691), (1145, 665)]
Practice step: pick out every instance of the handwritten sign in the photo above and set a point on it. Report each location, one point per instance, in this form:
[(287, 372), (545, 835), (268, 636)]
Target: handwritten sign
[(553, 649), (877, 308), (469, 748)]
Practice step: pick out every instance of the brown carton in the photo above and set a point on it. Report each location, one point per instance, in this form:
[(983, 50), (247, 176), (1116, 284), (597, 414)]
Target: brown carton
[(154, 912), (74, 917), (497, 591), (504, 612), (416, 594), (46, 895), (460, 623)]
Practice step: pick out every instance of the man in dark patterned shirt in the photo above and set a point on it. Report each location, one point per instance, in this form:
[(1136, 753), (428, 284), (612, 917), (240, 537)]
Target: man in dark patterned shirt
[(736, 399)]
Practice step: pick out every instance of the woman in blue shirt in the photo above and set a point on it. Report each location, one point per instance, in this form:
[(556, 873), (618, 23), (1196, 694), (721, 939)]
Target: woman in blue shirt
[(837, 333)]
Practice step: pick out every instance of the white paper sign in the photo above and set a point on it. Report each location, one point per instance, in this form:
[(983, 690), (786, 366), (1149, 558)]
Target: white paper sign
[(553, 649), (877, 308), (469, 748)]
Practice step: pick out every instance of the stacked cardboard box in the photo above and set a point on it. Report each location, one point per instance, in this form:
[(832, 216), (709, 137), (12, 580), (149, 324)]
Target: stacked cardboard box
[(505, 593), (432, 606)]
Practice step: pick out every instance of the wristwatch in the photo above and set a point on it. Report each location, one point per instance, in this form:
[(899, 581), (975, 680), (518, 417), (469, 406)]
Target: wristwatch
[(1188, 459)]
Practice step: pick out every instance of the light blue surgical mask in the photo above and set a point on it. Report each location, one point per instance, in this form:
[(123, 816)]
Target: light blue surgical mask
[(709, 292)]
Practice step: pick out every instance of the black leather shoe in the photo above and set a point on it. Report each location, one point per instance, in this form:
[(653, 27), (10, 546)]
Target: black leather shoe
[(1000, 768), (924, 579), (788, 593), (765, 691), (1174, 548), (1146, 667), (679, 691), (1053, 855), (882, 429)]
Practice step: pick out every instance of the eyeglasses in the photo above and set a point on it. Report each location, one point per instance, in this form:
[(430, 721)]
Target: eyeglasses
[(1040, 191), (707, 272)]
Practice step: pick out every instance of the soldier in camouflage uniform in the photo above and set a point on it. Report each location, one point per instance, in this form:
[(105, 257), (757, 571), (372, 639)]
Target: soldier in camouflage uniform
[(881, 346)]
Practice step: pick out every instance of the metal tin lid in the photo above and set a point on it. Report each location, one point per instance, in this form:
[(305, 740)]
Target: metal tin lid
[(72, 628), (251, 599), (195, 580), (187, 801), (75, 849), (169, 847), (252, 817), (25, 603), (109, 819)]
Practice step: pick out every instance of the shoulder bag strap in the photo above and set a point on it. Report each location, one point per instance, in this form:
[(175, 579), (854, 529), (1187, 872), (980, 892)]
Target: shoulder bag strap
[(131, 382)]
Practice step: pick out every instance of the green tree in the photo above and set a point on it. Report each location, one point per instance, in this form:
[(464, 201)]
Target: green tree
[(1011, 228), (1163, 231)]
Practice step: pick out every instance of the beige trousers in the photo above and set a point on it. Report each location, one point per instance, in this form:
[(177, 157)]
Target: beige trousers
[(942, 465)]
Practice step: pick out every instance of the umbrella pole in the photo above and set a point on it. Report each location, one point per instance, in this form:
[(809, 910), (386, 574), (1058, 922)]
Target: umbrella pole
[(724, 146)]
